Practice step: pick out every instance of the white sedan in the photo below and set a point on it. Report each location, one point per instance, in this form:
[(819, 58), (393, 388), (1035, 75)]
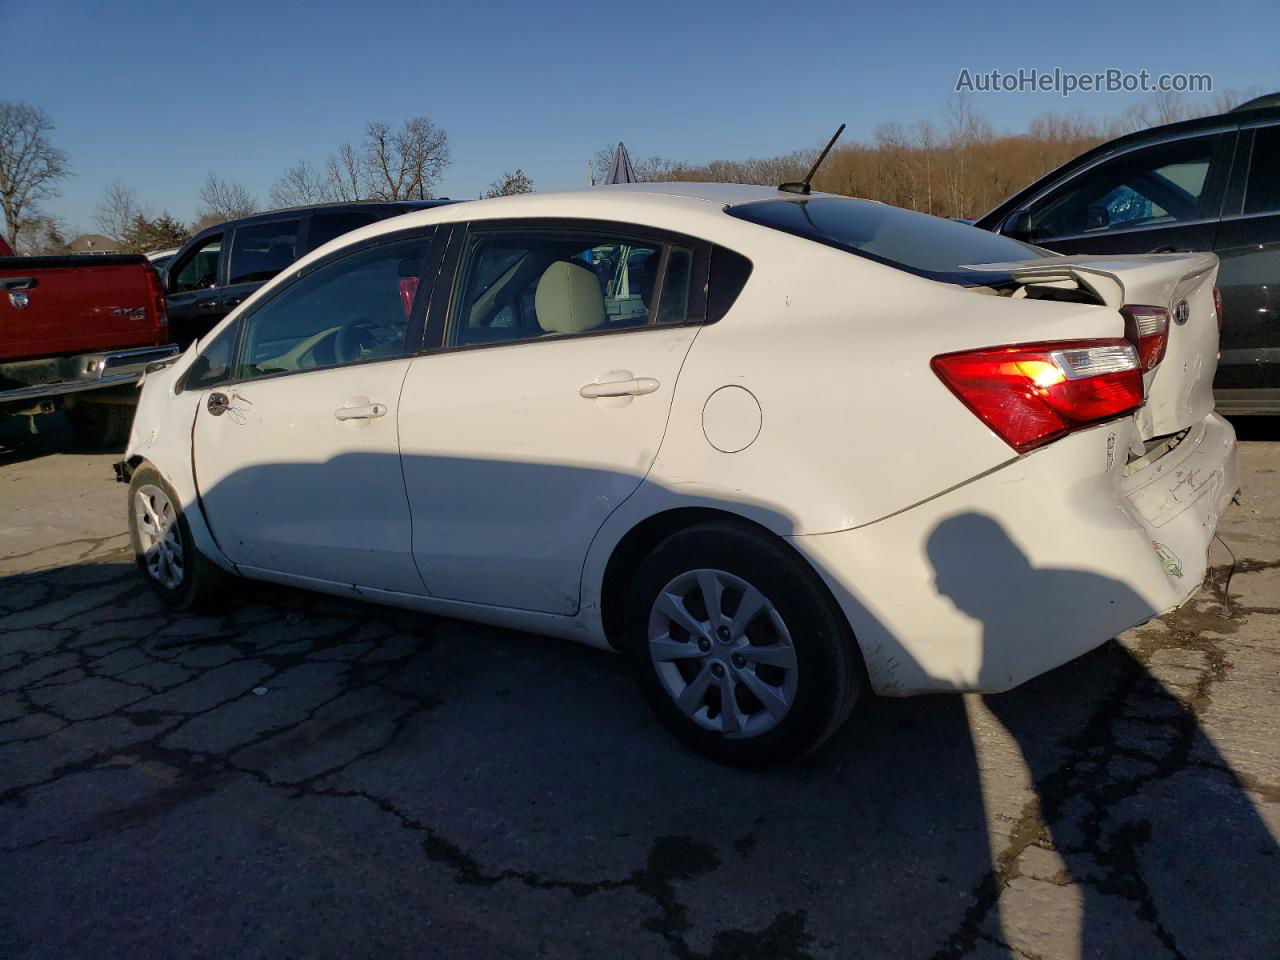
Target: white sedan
[(778, 449)]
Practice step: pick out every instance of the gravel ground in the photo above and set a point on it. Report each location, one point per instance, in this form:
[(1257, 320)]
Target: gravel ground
[(299, 776)]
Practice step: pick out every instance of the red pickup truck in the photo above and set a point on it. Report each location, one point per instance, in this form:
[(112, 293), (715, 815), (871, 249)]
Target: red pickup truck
[(76, 333)]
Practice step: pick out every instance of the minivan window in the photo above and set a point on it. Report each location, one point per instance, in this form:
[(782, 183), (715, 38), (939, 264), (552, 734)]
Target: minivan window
[(1262, 192), (915, 242), (261, 250)]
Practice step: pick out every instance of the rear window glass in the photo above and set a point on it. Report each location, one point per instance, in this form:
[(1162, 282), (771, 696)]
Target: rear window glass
[(916, 242)]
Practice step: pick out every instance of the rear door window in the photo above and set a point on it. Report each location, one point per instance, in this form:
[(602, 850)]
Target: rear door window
[(329, 226), (261, 250), (527, 285)]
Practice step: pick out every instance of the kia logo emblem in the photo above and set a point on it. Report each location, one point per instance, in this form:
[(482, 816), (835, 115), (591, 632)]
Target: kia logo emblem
[(1182, 312)]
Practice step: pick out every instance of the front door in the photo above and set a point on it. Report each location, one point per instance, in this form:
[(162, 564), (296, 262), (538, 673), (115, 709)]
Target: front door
[(1158, 199), (546, 407), (296, 456), (194, 294)]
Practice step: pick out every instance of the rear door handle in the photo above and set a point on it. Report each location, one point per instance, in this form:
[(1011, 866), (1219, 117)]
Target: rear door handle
[(365, 411), (1170, 248), (635, 387)]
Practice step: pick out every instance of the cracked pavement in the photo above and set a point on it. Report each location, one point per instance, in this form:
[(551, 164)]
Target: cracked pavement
[(304, 776)]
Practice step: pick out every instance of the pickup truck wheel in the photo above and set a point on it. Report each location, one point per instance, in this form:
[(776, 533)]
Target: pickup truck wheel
[(739, 647), (166, 555), (101, 426)]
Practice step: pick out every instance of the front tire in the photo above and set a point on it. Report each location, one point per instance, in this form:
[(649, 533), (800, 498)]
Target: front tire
[(739, 647), (181, 576)]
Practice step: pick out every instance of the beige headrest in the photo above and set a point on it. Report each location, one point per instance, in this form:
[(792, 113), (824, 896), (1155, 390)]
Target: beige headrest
[(568, 299)]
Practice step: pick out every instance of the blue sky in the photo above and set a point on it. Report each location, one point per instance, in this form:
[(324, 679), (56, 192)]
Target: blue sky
[(158, 94)]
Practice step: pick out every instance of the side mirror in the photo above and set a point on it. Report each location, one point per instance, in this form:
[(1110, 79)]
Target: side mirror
[(1018, 226)]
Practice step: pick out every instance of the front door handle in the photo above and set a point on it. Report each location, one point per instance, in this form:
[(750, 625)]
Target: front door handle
[(1170, 248), (365, 411), (635, 387)]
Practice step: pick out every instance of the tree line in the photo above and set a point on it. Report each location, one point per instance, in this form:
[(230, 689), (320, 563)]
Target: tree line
[(957, 166), (954, 166)]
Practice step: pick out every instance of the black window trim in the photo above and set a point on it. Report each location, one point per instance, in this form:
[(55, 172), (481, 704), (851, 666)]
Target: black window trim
[(413, 335), (441, 310)]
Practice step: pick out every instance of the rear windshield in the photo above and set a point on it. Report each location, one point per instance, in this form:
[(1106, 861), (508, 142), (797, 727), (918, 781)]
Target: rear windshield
[(916, 242)]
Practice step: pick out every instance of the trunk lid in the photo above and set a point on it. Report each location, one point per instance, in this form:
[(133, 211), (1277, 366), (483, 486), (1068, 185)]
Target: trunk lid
[(1179, 391)]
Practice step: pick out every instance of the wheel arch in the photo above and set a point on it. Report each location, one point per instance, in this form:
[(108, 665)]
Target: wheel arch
[(639, 541)]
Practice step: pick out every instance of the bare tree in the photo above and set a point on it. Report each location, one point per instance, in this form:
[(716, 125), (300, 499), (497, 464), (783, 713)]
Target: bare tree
[(404, 164), (225, 200), (30, 165), (344, 175), (119, 209), (299, 184), (509, 184)]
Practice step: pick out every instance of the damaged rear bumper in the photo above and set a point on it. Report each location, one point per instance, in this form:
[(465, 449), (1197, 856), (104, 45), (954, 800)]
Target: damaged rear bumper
[(1027, 567)]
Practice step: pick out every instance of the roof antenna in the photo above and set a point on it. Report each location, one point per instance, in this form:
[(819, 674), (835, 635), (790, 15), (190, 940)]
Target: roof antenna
[(802, 187)]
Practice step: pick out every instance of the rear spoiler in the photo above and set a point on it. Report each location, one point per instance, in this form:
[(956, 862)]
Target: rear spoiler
[(1115, 281)]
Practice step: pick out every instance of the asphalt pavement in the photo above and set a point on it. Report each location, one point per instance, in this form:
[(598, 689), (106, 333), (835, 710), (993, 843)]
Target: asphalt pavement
[(298, 776)]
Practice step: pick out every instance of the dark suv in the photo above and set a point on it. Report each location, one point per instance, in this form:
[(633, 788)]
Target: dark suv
[(223, 264), (1207, 184)]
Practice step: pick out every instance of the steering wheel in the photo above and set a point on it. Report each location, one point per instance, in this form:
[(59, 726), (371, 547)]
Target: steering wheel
[(354, 337)]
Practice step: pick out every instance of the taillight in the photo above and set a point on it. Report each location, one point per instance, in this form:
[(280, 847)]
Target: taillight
[(155, 287), (1035, 393), (1217, 306), (1147, 328)]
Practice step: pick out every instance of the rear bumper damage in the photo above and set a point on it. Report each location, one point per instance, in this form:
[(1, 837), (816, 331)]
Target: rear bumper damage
[(1031, 565)]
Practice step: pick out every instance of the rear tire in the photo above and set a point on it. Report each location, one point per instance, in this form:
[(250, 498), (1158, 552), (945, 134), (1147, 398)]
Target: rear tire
[(101, 426), (770, 675), (181, 576)]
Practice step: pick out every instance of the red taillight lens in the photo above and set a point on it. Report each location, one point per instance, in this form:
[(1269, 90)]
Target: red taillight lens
[(1033, 394), (155, 287), (1147, 328), (1217, 306)]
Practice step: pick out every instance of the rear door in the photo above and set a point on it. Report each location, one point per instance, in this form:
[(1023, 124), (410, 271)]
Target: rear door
[(295, 449), (544, 404), (257, 252), (1161, 198), (1249, 247)]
